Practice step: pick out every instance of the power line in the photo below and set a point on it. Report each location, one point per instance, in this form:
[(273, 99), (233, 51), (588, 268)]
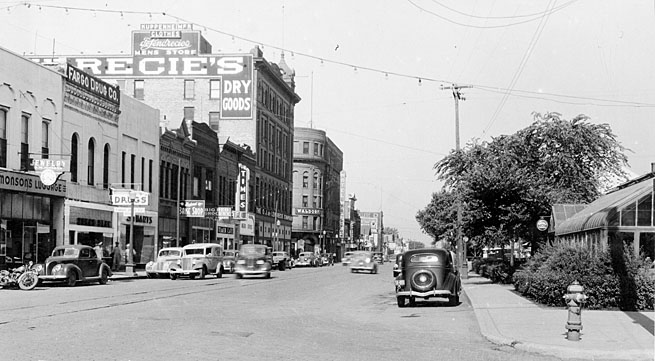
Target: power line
[(542, 13)]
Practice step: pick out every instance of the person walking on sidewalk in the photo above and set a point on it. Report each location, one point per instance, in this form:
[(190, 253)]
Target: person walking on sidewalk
[(117, 257)]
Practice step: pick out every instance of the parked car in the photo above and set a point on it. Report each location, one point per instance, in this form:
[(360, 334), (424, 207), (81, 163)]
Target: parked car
[(165, 258), (378, 258), (230, 261), (346, 258), (72, 264), (281, 260), (306, 259), (326, 259), (397, 264), (253, 260), (363, 261), (199, 259), (426, 273)]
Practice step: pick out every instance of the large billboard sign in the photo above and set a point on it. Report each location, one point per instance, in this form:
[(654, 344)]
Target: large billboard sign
[(165, 43)]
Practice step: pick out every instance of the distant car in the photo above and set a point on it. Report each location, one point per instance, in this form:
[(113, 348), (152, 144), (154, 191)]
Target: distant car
[(378, 258), (326, 259), (397, 264), (363, 261), (253, 260), (199, 259), (230, 261), (165, 258), (306, 259), (72, 264), (426, 273), (346, 258), (281, 260)]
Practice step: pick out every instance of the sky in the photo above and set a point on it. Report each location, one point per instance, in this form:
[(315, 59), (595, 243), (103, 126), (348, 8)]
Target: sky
[(371, 73)]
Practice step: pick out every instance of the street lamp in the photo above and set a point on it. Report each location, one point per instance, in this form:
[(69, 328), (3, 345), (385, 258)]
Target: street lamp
[(129, 267)]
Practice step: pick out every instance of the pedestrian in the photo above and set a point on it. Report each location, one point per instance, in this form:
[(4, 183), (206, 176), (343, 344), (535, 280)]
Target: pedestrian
[(117, 257), (125, 254), (98, 250)]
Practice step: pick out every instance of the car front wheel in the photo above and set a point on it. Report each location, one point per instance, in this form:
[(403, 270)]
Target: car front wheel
[(219, 272), (453, 300), (103, 277), (173, 276), (71, 279), (203, 272)]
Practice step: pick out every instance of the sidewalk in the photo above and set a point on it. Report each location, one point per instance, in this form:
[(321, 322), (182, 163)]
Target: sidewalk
[(507, 318), (122, 275)]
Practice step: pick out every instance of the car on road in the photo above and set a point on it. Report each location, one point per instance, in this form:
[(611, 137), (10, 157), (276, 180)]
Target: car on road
[(199, 259), (306, 259), (253, 260), (165, 258), (397, 264), (346, 258), (230, 260), (281, 260), (72, 264), (326, 259), (378, 258), (428, 273), (363, 261)]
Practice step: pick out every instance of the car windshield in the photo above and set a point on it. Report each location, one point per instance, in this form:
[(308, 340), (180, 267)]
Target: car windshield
[(278, 253), (170, 253), (306, 254), (229, 254), (424, 258), (189, 251), (65, 252), (252, 250), (360, 255)]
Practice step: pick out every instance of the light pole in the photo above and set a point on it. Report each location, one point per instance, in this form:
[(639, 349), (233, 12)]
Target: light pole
[(129, 267)]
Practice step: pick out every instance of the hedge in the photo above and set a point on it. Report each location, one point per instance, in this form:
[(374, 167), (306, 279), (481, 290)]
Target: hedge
[(611, 279)]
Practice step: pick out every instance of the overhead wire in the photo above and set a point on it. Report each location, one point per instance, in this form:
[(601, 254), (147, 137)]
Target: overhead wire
[(541, 13)]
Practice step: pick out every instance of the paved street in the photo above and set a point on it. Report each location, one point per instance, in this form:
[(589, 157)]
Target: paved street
[(305, 313)]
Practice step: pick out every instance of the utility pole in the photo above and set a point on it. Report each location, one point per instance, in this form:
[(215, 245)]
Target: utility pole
[(461, 247)]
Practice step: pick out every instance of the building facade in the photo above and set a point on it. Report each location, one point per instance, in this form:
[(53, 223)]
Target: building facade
[(317, 167), (371, 234)]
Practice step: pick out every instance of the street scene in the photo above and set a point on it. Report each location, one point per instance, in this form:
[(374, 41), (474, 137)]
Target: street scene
[(334, 180)]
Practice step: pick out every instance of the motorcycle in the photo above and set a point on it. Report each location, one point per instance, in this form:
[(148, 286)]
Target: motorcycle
[(25, 277)]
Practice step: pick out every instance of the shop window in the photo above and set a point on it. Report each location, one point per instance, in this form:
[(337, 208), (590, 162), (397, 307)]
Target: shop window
[(105, 167), (214, 89), (91, 162), (189, 89), (74, 159), (139, 92), (24, 145), (3, 138), (45, 137)]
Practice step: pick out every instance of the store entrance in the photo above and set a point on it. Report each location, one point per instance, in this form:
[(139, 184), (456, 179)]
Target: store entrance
[(24, 241)]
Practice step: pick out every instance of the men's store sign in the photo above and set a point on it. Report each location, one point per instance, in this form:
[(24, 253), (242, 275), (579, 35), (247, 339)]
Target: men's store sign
[(165, 43), (93, 85), (28, 183)]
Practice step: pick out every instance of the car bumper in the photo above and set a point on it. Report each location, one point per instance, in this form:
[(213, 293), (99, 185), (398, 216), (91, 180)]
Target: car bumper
[(432, 293), (301, 264), (52, 278), (180, 272), (251, 272), (362, 268)]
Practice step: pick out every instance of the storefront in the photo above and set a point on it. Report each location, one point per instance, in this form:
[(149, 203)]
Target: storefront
[(225, 234), (144, 228), (28, 210), (90, 224)]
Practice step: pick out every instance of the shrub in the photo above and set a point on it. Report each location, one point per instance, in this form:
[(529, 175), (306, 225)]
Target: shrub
[(498, 271), (612, 279)]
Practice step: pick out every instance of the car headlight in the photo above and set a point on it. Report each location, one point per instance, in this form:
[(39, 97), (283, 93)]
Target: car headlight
[(38, 268), (368, 260), (57, 268), (241, 261)]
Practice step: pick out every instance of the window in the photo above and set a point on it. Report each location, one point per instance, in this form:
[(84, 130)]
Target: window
[(305, 201), (189, 113), (305, 147), (24, 145), (209, 186), (123, 159), (74, 158), (214, 89), (315, 185), (305, 180), (645, 211), (189, 89), (161, 179), (197, 172), (143, 173), (3, 138), (105, 167), (213, 121), (132, 169), (45, 136), (150, 175), (305, 220), (315, 202), (174, 174), (91, 163), (315, 148), (139, 89)]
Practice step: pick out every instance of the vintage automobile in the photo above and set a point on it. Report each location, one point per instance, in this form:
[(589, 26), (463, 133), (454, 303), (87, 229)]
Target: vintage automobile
[(326, 259), (253, 260), (230, 260), (378, 258), (281, 256), (306, 259), (346, 258), (72, 264), (199, 259), (398, 264), (428, 273), (363, 261), (165, 258)]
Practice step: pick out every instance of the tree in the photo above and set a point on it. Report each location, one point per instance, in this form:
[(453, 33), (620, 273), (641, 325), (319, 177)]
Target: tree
[(438, 219), (507, 183)]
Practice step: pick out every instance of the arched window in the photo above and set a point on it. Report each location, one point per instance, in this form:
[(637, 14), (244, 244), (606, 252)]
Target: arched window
[(105, 167), (305, 180), (74, 160), (316, 186), (90, 163)]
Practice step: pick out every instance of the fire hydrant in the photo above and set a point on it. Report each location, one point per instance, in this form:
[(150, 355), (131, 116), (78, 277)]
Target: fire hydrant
[(574, 299)]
